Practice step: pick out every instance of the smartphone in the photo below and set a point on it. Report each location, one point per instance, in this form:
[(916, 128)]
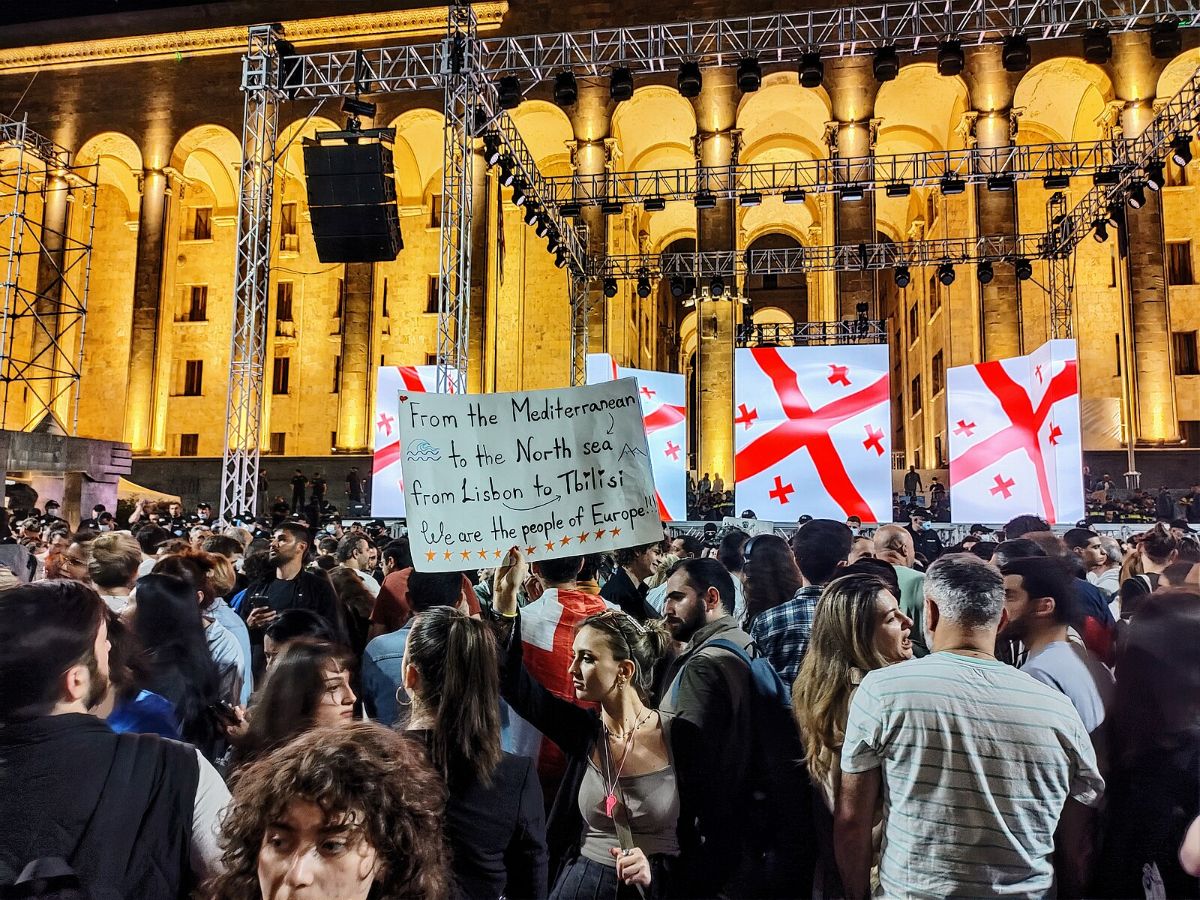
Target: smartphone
[(225, 713)]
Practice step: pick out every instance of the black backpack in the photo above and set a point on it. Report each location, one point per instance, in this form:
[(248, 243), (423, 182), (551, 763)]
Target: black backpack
[(780, 832)]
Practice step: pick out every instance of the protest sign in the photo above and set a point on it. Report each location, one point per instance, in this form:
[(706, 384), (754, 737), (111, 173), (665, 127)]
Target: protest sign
[(557, 473)]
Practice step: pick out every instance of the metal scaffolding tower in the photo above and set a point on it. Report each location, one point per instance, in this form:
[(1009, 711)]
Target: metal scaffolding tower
[(44, 313), (1060, 282), (247, 353)]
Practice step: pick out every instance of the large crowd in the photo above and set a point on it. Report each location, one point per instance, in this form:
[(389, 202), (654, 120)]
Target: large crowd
[(288, 709)]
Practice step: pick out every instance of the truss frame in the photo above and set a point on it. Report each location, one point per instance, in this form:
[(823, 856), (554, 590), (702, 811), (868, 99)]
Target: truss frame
[(49, 368), (812, 334)]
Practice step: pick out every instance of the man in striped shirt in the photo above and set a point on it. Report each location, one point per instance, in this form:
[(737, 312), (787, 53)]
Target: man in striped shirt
[(985, 772)]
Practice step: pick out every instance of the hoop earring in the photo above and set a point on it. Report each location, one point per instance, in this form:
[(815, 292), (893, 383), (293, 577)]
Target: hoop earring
[(406, 702)]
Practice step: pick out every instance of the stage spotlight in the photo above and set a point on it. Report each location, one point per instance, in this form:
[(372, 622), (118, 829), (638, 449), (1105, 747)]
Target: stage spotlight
[(753, 198), (1116, 213), (543, 226), (1016, 53), (749, 75), (1155, 178), (566, 90), (1097, 45), (998, 183), (570, 210), (951, 185), (1137, 195), (690, 81), (654, 204), (1181, 150), (1100, 232), (560, 257), (1106, 177), (812, 70), (898, 189), (678, 287), (620, 84), (852, 192), (1024, 269), (612, 207), (1056, 182), (945, 273), (984, 272), (520, 193), (886, 64), (610, 287), (793, 196), (643, 284), (902, 276), (552, 240), (705, 200), (491, 148), (1165, 40), (950, 58), (509, 90), (531, 214), (716, 286), (507, 173)]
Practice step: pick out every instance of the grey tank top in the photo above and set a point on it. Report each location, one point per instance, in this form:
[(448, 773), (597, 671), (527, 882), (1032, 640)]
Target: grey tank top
[(652, 801)]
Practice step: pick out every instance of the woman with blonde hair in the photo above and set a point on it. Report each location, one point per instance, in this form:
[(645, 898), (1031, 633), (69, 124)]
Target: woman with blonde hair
[(857, 627)]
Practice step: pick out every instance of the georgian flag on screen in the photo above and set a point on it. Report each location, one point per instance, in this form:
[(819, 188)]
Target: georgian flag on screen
[(664, 413), (387, 488), (1014, 432), (812, 431)]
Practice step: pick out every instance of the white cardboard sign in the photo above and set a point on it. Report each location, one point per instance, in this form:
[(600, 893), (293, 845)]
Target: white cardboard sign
[(557, 473)]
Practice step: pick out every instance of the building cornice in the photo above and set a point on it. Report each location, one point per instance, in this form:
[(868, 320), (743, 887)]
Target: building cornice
[(395, 24)]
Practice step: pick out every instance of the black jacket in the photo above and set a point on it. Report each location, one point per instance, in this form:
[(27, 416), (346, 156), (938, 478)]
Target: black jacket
[(117, 807), (575, 730), (620, 590), (497, 833)]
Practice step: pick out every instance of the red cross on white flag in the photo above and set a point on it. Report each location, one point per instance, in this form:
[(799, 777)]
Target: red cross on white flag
[(664, 412), (392, 382), (1022, 452), (823, 426)]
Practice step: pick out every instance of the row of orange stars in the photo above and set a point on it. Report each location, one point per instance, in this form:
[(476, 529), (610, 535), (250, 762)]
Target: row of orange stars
[(447, 555)]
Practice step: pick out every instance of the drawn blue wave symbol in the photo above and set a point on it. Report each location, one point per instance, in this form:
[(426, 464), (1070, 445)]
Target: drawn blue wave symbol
[(422, 451)]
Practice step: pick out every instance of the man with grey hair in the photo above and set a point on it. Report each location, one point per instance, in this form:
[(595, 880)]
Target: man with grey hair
[(894, 544), (353, 552), (1107, 575), (984, 772)]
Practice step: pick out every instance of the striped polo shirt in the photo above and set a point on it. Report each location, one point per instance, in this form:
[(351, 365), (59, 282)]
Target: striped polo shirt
[(978, 761)]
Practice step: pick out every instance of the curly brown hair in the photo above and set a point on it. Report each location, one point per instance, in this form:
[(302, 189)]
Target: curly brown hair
[(383, 779), (772, 576)]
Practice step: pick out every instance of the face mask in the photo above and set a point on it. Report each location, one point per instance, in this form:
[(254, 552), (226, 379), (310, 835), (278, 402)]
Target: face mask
[(926, 526)]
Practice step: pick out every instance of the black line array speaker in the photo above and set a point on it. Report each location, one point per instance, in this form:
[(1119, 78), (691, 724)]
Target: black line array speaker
[(352, 201)]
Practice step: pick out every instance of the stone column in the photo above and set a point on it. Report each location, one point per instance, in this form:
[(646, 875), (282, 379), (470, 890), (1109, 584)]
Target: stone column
[(591, 121), (716, 114), (1135, 73), (44, 357), (852, 90), (147, 305), (354, 402), (995, 211)]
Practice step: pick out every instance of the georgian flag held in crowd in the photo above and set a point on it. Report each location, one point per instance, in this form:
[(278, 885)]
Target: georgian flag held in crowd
[(812, 431), (387, 486), (1014, 432), (664, 413)]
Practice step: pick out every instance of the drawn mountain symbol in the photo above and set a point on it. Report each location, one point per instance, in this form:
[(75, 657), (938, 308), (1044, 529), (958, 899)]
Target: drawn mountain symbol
[(627, 450)]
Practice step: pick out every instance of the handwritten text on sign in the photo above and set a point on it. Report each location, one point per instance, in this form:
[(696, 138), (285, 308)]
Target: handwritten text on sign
[(558, 473)]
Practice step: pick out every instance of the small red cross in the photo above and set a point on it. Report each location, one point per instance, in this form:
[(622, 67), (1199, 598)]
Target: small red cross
[(1003, 487), (781, 490), (745, 416), (1037, 370), (965, 427), (672, 450), (837, 375), (1055, 434), (647, 393), (385, 422), (873, 441)]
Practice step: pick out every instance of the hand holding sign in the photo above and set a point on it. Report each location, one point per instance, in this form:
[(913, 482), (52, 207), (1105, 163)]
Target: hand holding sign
[(557, 473)]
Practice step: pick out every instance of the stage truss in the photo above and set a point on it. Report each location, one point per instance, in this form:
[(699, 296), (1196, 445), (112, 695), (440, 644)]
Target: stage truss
[(44, 314), (465, 68)]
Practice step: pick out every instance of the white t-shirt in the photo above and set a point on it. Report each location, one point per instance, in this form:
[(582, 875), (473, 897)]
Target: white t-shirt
[(978, 760), (1065, 667)]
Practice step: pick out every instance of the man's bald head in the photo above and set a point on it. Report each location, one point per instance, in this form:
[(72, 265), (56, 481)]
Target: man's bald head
[(895, 545)]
